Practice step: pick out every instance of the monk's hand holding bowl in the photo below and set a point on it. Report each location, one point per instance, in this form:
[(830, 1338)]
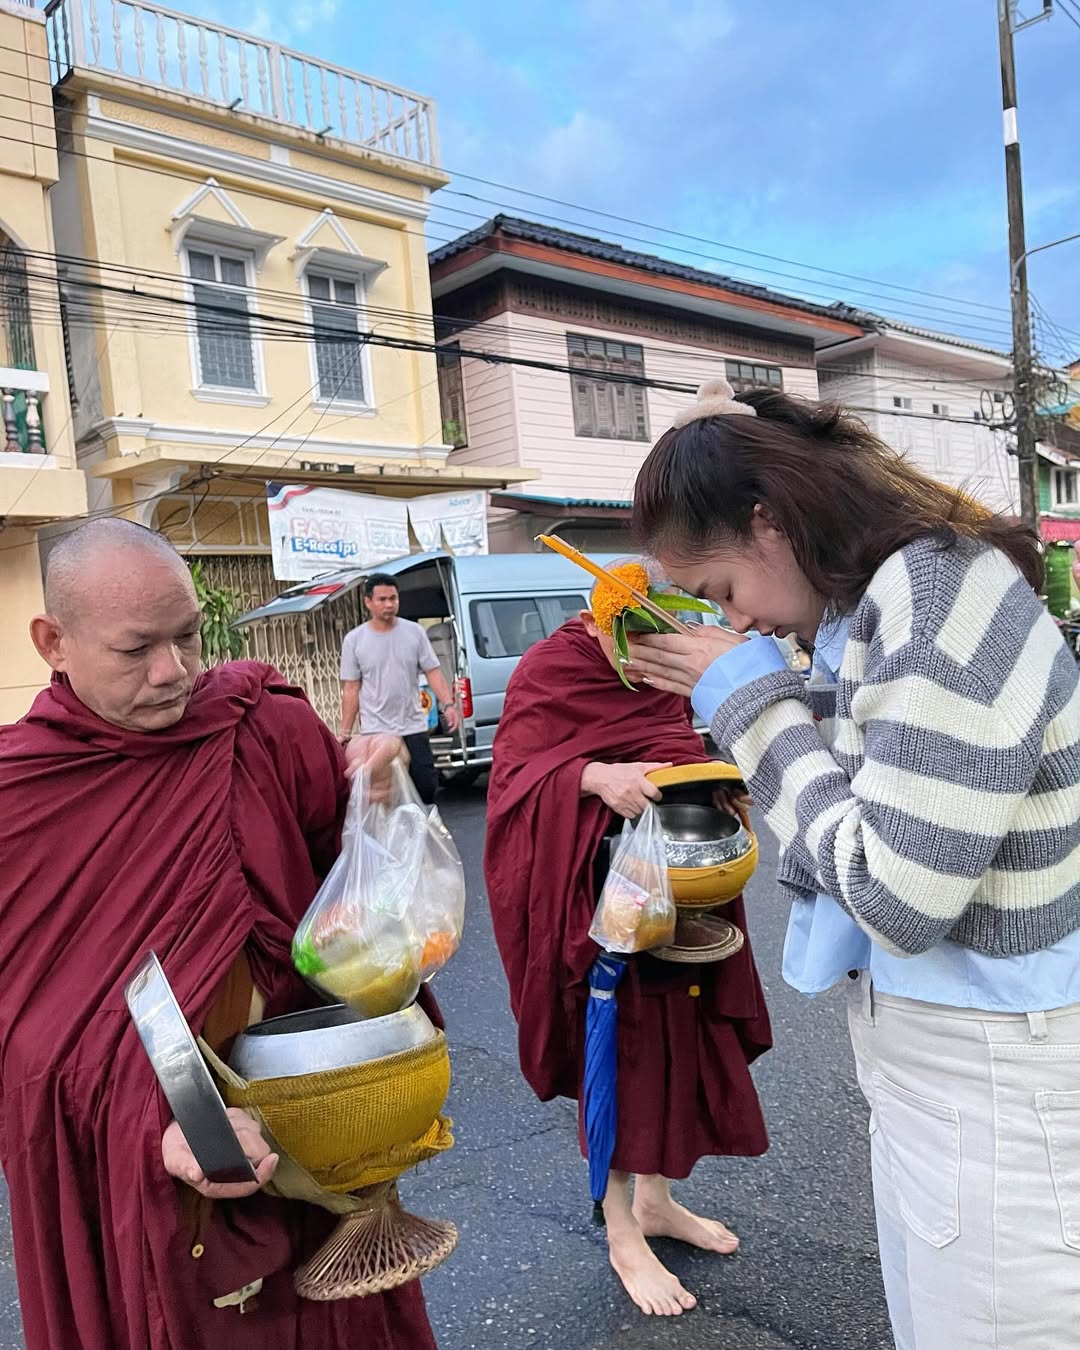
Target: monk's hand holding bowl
[(623, 787), (676, 661), (180, 1162)]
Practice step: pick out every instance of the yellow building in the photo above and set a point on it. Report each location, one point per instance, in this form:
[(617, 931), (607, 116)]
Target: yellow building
[(39, 481), (244, 278)]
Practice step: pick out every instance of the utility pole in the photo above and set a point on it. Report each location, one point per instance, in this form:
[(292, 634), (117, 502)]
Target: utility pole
[(1023, 376)]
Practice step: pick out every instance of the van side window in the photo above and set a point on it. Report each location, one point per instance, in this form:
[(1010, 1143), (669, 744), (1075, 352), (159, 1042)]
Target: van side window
[(509, 627)]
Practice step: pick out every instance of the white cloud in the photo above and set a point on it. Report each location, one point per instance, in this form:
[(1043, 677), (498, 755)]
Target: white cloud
[(305, 17), (573, 156), (651, 38), (1047, 199)]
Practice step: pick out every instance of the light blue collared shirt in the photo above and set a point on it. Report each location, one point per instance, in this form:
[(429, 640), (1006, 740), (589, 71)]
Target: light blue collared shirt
[(824, 942)]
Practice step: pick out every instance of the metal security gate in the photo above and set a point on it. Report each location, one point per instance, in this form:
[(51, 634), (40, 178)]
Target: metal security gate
[(306, 648)]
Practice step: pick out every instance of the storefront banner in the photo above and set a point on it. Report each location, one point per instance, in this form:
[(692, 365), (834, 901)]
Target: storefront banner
[(455, 521), (315, 530)]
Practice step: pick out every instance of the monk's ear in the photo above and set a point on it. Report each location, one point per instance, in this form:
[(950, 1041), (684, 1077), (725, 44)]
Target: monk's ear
[(587, 619), (48, 637)]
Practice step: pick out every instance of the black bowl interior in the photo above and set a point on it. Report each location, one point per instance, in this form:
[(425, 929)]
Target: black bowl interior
[(311, 1019), (692, 823)]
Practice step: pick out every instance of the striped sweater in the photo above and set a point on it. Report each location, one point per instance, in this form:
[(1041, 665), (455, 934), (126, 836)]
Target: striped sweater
[(935, 791)]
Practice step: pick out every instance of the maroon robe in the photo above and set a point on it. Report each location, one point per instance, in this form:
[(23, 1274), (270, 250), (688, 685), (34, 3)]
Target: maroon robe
[(204, 841), (686, 1033)]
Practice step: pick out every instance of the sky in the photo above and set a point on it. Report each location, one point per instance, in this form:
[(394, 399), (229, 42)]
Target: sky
[(859, 137)]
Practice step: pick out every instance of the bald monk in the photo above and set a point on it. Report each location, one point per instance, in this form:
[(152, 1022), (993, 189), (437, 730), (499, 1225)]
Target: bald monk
[(145, 805), (570, 761)]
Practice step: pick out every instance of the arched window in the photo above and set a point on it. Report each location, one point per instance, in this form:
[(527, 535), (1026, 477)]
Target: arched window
[(16, 330)]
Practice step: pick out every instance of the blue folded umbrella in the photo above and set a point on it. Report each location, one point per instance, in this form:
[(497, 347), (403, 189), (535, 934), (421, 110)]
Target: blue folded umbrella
[(601, 1070)]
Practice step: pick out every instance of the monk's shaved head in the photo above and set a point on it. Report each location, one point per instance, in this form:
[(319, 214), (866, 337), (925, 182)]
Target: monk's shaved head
[(74, 566), (123, 625)]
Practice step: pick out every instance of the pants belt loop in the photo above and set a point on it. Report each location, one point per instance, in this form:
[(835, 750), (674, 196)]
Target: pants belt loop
[(1037, 1028)]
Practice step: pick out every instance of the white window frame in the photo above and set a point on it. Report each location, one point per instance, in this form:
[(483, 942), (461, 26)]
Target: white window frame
[(740, 383), (1057, 502), (942, 447), (217, 393), (366, 407)]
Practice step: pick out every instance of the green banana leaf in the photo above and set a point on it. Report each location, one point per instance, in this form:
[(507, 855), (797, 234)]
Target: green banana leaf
[(641, 621), (622, 647), (681, 603)]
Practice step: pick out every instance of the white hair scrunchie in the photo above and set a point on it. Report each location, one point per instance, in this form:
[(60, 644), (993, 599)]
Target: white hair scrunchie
[(715, 398)]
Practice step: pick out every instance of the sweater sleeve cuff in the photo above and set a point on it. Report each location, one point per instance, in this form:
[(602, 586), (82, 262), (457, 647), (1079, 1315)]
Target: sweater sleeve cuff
[(740, 666)]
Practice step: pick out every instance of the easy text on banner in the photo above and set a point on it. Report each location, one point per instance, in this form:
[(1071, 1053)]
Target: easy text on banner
[(315, 530)]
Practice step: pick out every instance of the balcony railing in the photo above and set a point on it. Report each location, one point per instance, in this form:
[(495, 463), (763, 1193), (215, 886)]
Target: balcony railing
[(167, 50), (21, 395)]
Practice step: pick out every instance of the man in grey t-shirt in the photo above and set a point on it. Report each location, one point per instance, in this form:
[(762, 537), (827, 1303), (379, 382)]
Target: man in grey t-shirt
[(381, 664)]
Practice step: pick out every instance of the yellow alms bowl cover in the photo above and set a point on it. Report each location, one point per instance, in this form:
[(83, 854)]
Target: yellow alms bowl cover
[(683, 775), (352, 1127)]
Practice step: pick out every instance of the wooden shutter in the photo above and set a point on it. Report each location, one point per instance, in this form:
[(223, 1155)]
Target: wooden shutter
[(452, 394)]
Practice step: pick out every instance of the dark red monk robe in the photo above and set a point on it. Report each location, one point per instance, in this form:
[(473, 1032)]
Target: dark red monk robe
[(684, 1087), (204, 842)]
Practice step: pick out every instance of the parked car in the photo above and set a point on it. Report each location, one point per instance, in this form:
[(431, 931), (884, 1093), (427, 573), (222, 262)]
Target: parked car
[(481, 613)]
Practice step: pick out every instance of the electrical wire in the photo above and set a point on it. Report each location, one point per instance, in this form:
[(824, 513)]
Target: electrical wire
[(194, 119), (959, 318), (43, 288), (621, 219), (1071, 12)]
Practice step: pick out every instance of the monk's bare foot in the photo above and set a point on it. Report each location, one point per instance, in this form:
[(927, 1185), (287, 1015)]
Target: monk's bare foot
[(664, 1217), (653, 1288)]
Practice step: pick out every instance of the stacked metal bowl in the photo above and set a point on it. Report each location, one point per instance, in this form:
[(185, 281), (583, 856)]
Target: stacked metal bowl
[(353, 1103), (711, 854)]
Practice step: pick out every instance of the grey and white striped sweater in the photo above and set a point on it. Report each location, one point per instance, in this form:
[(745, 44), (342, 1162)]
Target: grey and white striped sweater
[(935, 791)]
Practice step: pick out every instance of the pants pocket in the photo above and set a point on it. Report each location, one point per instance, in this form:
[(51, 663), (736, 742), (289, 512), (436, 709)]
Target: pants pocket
[(922, 1140), (1059, 1113)]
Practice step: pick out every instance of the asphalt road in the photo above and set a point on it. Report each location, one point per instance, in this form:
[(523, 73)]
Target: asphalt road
[(531, 1270)]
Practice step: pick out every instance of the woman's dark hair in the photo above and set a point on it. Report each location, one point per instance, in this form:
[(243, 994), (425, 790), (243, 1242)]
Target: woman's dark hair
[(378, 579), (844, 499)]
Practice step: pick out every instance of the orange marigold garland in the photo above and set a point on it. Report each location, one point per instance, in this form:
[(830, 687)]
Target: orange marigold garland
[(617, 615), (608, 601)]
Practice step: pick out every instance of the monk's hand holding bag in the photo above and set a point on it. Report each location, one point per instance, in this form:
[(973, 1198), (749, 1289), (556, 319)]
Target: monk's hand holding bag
[(636, 911), (390, 913)]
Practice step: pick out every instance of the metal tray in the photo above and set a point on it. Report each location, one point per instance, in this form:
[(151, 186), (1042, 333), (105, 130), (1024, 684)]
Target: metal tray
[(184, 1077)]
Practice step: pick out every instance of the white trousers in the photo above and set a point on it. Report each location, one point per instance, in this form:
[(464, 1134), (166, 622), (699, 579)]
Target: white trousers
[(975, 1147)]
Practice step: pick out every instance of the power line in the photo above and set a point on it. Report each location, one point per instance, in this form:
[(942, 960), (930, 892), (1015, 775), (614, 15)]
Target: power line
[(1071, 13), (65, 261), (195, 120), (696, 253), (961, 318), (271, 327), (308, 332), (972, 320)]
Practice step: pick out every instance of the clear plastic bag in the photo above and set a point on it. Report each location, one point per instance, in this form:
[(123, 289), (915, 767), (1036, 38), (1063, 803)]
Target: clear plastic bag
[(390, 913), (636, 911)]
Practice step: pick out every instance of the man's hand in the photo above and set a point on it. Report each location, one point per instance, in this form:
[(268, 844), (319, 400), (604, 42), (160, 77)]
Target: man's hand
[(623, 787), (180, 1161), (452, 717), (736, 801)]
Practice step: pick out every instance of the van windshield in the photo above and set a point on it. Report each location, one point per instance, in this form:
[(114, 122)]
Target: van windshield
[(510, 626)]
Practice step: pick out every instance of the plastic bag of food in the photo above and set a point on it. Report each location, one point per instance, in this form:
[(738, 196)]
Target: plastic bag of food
[(390, 913), (636, 911)]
